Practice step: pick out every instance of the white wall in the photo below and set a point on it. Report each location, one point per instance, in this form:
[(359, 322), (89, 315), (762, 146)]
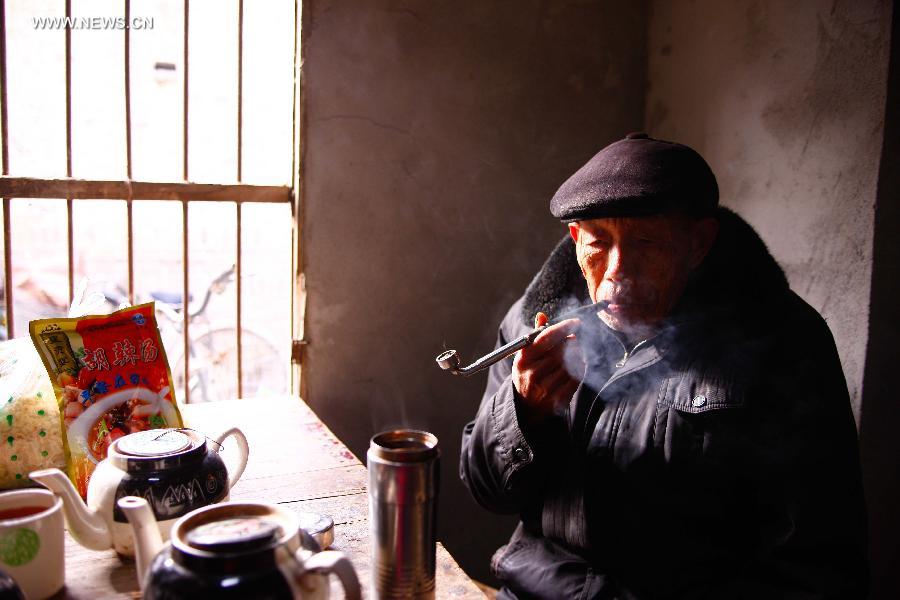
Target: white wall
[(786, 102)]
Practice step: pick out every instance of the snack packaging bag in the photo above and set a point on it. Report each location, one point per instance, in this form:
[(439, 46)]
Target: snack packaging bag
[(30, 436), (110, 377)]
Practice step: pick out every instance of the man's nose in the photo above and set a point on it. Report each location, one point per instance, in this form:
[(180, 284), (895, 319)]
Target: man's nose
[(620, 264)]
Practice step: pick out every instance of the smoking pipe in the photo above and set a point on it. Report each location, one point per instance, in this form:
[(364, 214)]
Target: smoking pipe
[(449, 360)]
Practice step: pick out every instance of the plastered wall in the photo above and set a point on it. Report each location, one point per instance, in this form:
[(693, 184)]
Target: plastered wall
[(435, 135), (786, 101)]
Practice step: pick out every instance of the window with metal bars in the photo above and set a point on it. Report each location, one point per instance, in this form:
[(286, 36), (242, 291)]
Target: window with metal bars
[(148, 152)]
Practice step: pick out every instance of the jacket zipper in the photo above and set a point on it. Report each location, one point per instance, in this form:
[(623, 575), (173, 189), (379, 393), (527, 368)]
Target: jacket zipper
[(628, 353), (589, 424)]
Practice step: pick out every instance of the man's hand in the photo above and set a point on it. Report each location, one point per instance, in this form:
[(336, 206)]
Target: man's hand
[(548, 372)]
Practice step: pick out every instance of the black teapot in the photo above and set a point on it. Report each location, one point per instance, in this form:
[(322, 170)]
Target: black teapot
[(176, 469), (9, 589), (233, 550)]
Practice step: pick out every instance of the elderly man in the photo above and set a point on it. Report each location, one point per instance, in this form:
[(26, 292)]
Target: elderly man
[(695, 439)]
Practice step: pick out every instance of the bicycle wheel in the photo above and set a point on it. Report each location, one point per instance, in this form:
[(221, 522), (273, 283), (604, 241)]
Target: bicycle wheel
[(213, 366)]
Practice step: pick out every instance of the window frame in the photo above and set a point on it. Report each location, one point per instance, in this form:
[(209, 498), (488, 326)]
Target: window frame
[(69, 188)]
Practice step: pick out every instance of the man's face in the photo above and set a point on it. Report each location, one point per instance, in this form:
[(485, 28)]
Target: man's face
[(640, 265)]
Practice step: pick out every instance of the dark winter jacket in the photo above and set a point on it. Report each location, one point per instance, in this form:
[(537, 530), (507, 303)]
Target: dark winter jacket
[(716, 460)]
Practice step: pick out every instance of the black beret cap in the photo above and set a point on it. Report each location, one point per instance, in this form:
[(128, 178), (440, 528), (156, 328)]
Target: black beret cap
[(638, 176)]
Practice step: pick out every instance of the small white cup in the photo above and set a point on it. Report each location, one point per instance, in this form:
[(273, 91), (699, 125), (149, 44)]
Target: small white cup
[(31, 546)]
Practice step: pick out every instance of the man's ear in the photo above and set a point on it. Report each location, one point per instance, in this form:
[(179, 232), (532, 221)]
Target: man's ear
[(703, 235), (573, 231)]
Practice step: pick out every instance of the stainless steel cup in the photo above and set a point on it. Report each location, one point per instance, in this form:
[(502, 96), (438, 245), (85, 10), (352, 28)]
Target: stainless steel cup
[(403, 488)]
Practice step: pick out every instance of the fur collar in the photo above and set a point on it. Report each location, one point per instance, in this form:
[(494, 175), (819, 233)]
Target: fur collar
[(738, 272)]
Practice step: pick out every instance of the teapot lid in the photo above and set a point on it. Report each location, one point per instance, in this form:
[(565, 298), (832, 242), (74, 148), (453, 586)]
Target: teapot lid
[(154, 442), (236, 534)]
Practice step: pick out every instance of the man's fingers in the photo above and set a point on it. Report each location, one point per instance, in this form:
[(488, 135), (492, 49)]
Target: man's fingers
[(573, 358), (531, 357), (547, 391), (565, 357), (563, 388), (554, 335), (545, 371), (548, 372)]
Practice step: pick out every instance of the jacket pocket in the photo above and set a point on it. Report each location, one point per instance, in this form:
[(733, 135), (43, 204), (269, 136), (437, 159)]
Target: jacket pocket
[(699, 417), (534, 567), (700, 437), (693, 394)]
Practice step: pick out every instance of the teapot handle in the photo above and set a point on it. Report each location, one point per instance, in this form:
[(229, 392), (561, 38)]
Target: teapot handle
[(235, 470), (331, 561)]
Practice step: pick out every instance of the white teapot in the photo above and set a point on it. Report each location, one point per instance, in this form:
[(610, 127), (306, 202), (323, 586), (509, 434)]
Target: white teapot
[(234, 550), (176, 470)]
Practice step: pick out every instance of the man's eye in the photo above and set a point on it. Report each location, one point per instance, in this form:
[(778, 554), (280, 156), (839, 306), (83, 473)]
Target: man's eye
[(648, 241)]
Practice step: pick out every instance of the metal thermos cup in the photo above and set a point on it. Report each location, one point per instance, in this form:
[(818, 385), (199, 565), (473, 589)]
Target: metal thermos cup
[(403, 487)]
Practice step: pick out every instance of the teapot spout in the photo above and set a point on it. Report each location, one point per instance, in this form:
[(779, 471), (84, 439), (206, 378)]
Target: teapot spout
[(147, 540), (86, 525)]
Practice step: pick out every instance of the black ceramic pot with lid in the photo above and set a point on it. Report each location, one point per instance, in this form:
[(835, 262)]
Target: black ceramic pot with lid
[(176, 470), (235, 550)]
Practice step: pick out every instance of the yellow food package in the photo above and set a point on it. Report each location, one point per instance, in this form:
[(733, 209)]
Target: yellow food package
[(110, 377)]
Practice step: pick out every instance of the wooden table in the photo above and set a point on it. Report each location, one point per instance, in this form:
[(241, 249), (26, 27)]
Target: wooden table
[(295, 461)]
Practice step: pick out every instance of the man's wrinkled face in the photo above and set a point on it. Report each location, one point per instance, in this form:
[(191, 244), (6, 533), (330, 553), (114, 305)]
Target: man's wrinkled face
[(640, 265)]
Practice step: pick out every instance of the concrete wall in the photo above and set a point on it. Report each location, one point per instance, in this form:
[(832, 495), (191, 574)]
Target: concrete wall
[(786, 101), (436, 133)]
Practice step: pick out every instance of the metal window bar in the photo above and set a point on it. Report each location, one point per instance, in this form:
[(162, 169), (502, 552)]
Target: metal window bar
[(129, 204), (4, 142), (237, 205), (185, 191), (70, 227), (30, 187), (298, 305), (185, 296)]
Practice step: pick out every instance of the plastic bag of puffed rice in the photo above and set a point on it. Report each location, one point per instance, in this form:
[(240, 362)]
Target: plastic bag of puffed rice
[(30, 435)]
